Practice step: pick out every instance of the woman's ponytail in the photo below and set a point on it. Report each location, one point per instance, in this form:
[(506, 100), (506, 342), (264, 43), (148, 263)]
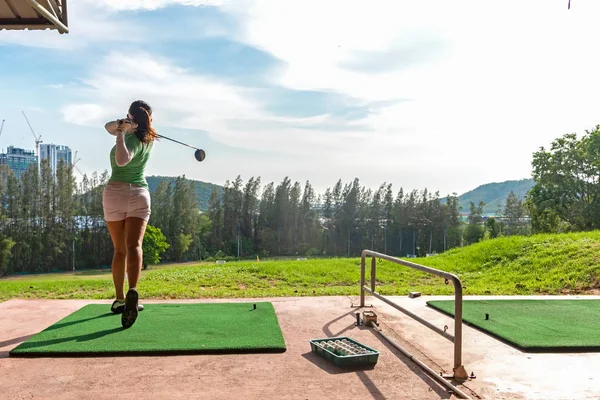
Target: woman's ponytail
[(141, 113)]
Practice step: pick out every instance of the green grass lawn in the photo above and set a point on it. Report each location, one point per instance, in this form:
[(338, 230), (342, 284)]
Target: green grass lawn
[(541, 264)]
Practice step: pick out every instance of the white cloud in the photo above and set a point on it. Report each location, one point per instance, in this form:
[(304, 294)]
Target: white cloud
[(128, 5), (314, 38), (233, 116), (55, 86), (489, 82), (230, 114), (180, 98), (82, 114)]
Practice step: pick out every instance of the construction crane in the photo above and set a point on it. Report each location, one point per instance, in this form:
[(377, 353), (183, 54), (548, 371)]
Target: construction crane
[(38, 139), (76, 160), (2, 127)]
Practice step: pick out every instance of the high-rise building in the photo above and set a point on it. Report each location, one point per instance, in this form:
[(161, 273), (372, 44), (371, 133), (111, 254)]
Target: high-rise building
[(54, 153), (18, 160)]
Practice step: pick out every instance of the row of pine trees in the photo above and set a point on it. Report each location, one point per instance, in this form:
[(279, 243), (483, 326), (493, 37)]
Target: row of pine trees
[(291, 219), (49, 222)]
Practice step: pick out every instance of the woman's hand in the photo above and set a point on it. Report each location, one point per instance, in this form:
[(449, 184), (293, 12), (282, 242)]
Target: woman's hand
[(112, 127), (120, 126), (126, 125)]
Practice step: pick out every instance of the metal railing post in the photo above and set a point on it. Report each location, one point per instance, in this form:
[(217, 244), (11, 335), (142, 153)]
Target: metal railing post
[(458, 368), (373, 272), (362, 280)]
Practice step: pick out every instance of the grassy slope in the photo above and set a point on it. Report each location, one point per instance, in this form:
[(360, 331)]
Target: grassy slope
[(542, 264)]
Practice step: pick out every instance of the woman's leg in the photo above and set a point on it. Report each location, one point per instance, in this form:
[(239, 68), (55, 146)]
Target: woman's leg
[(135, 228), (117, 234), (112, 203), (134, 235)]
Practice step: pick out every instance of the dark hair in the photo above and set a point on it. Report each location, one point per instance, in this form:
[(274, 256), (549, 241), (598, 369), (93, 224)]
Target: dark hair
[(141, 112)]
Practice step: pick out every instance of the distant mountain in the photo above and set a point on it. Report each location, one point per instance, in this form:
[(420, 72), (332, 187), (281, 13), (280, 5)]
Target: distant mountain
[(203, 189), (494, 194)]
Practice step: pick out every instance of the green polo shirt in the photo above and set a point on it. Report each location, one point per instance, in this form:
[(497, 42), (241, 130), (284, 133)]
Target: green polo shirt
[(134, 171)]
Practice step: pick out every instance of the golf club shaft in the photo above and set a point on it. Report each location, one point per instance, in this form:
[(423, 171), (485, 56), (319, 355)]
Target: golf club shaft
[(176, 141)]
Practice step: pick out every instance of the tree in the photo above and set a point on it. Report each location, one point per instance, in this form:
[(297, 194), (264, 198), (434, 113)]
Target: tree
[(282, 211), (493, 228), (337, 205), (249, 209), (182, 244), (566, 191), (327, 214), (182, 227), (267, 240), (543, 218), (162, 207), (6, 244), (294, 217), (375, 215), (153, 245), (388, 214), (309, 237), (474, 231), (348, 217), (513, 214), (452, 222), (215, 214), (476, 213), (65, 213), (51, 246), (232, 210), (203, 233)]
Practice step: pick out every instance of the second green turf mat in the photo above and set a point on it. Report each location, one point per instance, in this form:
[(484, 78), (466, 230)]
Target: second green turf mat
[(161, 329), (534, 325)]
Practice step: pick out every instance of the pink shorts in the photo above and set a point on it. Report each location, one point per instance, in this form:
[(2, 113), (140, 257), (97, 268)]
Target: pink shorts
[(123, 200)]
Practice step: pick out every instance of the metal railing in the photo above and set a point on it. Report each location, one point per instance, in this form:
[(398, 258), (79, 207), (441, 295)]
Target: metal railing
[(459, 370)]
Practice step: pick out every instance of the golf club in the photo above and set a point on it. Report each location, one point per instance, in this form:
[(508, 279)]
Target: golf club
[(199, 153)]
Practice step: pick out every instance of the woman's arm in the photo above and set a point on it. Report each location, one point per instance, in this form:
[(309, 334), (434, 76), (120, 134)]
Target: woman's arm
[(112, 127), (122, 154)]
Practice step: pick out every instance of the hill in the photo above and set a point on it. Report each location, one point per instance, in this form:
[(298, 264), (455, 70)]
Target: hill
[(203, 189), (494, 194)]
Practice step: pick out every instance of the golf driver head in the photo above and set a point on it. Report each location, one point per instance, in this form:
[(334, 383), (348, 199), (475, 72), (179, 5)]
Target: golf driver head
[(200, 155)]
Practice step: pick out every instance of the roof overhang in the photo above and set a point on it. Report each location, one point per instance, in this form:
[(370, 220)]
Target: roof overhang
[(34, 15)]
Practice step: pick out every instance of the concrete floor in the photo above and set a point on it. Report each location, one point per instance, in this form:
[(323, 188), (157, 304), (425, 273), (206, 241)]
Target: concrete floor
[(501, 371)]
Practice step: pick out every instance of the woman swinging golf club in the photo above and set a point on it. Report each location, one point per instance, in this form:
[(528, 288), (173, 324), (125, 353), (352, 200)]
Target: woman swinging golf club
[(126, 202)]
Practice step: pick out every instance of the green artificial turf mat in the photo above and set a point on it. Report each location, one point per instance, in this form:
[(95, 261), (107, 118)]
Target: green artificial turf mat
[(161, 329), (534, 325)]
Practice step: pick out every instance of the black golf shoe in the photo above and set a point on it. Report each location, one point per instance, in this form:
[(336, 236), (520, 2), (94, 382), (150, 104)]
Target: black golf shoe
[(130, 312), (118, 306)]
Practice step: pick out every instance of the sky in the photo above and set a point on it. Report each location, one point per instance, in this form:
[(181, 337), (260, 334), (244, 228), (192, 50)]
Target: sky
[(434, 94)]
